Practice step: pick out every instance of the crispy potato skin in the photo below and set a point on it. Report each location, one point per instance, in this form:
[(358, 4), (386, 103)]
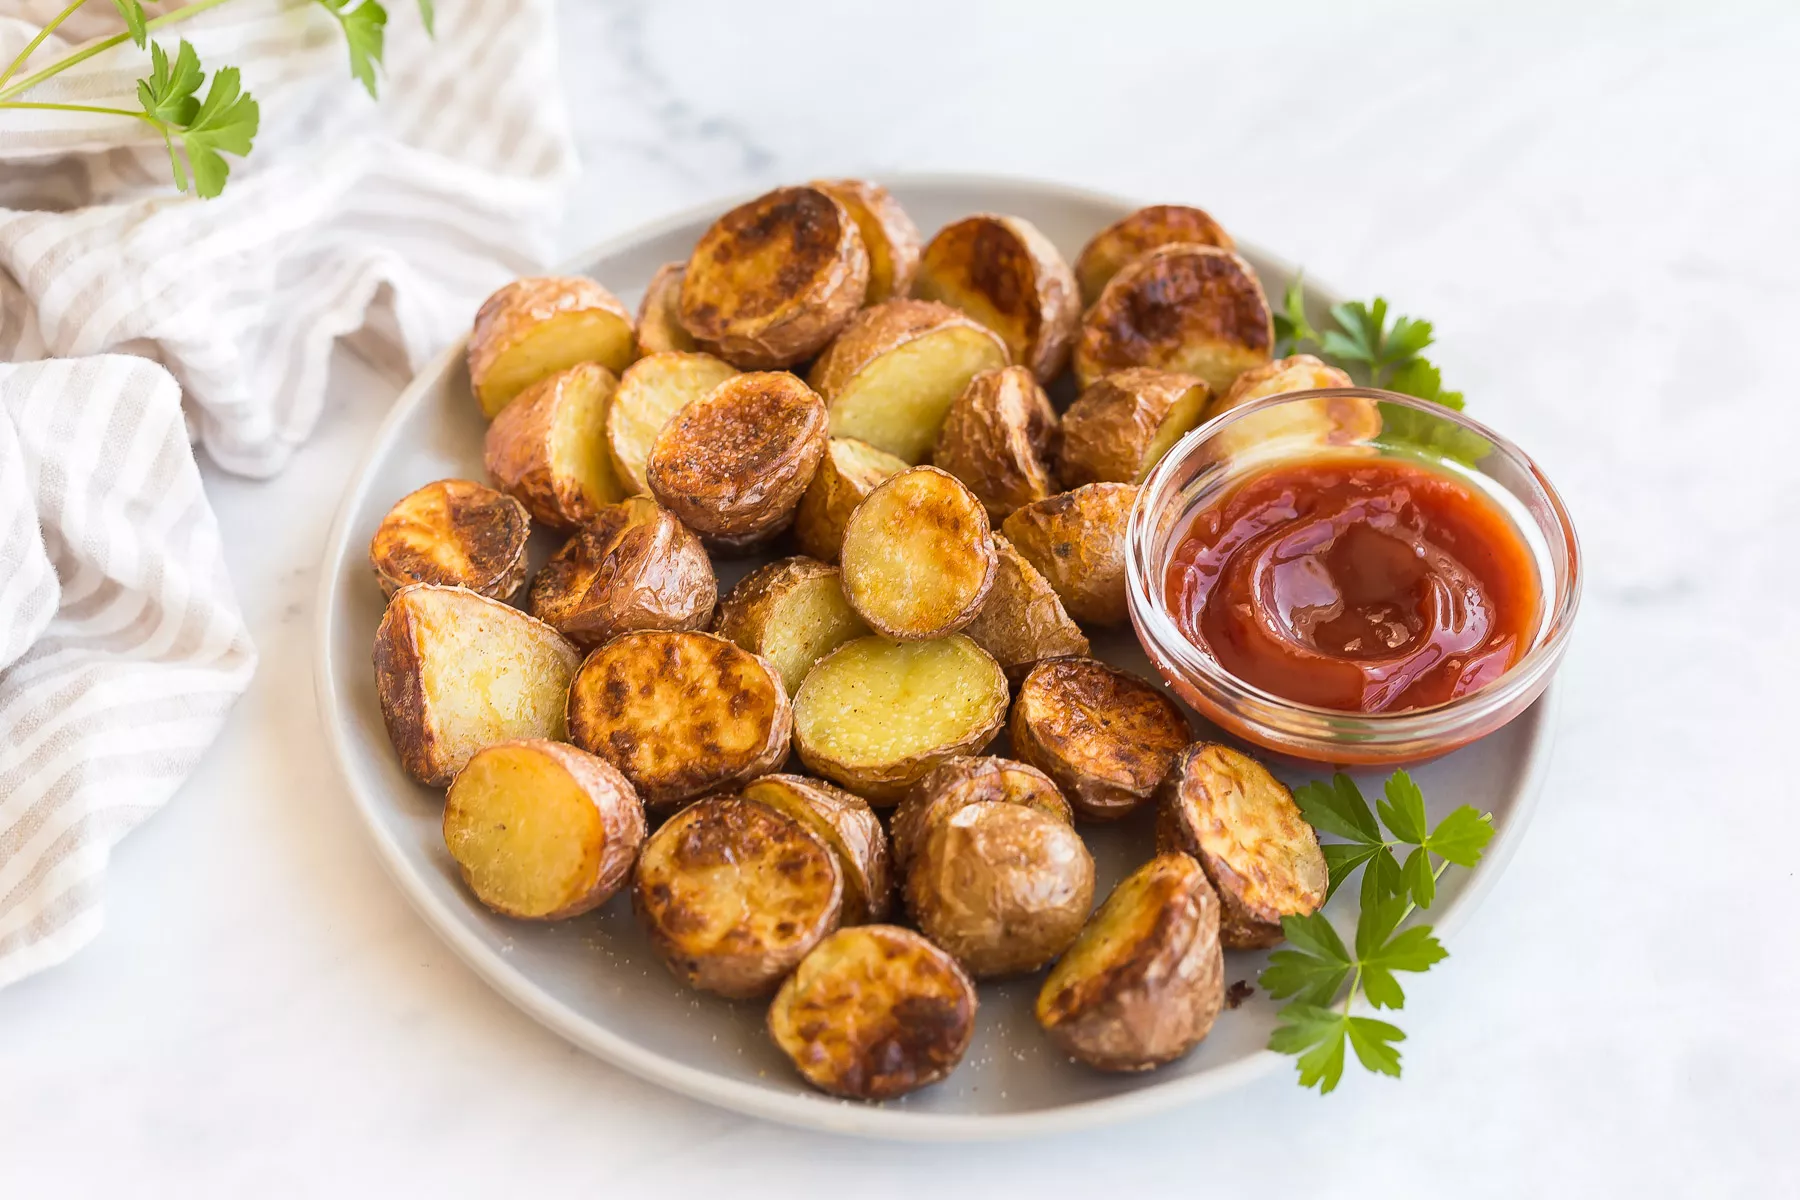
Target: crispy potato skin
[(993, 438), (888, 234), (1105, 736), (520, 451), (456, 533), (1004, 272), (1022, 620), (1152, 995), (1143, 231), (508, 316), (846, 823), (651, 392), (659, 327), (878, 329), (773, 280), (1108, 433), (874, 1012), (848, 472), (1243, 827), (968, 779), (1077, 542), (940, 526), (748, 612), (633, 566)]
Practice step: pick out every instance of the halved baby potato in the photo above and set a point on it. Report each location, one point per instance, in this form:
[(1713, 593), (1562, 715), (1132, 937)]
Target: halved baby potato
[(888, 234), (652, 390), (1139, 233), (1023, 620), (958, 782), (659, 328), (846, 475), (1325, 421), (1004, 273), (456, 533), (792, 612), (918, 558), (847, 824), (1077, 542), (632, 566), (532, 328), (1122, 425), (548, 447), (997, 439)]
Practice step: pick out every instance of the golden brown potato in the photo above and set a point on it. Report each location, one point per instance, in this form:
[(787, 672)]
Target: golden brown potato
[(541, 830), (1326, 421), (681, 714), (1123, 424), (966, 780), (874, 1012), (734, 894), (1077, 542), (1004, 273), (792, 612), (774, 279), (548, 447), (1194, 309), (456, 533), (847, 824), (918, 558), (1022, 619), (1243, 826), (893, 373), (1106, 737), (888, 234), (1142, 984), (652, 390), (456, 671), (632, 566), (532, 328), (846, 475), (734, 463), (876, 715), (1135, 235), (659, 328), (996, 438)]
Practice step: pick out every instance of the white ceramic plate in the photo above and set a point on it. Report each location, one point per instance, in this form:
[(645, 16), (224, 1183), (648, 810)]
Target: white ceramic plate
[(594, 980)]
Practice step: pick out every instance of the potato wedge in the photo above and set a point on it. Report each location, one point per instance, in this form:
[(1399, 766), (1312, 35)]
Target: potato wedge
[(1198, 310), (1242, 825), (1326, 421), (659, 328), (874, 1012), (876, 715), (734, 894), (888, 234), (995, 439), (532, 328), (846, 475), (456, 533), (1105, 736), (792, 612), (456, 671), (1121, 426), (680, 713), (1143, 983), (547, 449), (966, 780), (541, 830), (773, 280), (652, 390), (1022, 619), (734, 463), (893, 373), (1006, 274), (847, 824), (633, 566), (918, 559), (1133, 236), (1077, 542)]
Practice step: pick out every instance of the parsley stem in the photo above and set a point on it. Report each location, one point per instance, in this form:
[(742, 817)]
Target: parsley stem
[(37, 41), (1412, 906), (80, 108), (103, 45)]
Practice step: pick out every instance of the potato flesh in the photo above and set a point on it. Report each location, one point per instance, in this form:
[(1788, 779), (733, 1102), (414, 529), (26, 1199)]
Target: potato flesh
[(897, 402), (579, 443), (649, 396), (809, 622), (525, 833), (485, 683), (1186, 414), (555, 345), (876, 701), (917, 556)]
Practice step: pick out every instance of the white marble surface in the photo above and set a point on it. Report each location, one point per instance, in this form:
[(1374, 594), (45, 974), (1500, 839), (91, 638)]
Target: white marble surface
[(1597, 205)]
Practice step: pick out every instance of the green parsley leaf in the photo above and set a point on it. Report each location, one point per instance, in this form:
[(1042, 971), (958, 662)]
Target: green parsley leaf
[(1461, 837), (364, 27), (1375, 924), (1341, 861), (1315, 935), (1337, 806), (1381, 878), (168, 95), (1405, 340), (1291, 325), (226, 124), (1317, 1035), (1402, 809), (1414, 949), (133, 12), (1373, 1042), (428, 14), (1419, 879), (1361, 324), (1314, 968), (1418, 377)]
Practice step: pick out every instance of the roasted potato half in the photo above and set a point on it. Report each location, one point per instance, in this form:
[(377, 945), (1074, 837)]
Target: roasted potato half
[(680, 713), (734, 463), (1004, 273), (774, 279), (532, 328), (1143, 983), (876, 715), (1198, 310), (456, 533), (541, 830), (958, 782), (632, 566), (918, 559), (792, 612), (1242, 825), (846, 475), (1325, 421), (1022, 619), (874, 1012), (734, 894), (1105, 736), (456, 671), (1132, 236), (548, 449), (1121, 426), (1077, 542), (845, 823), (996, 439), (652, 390), (888, 234), (659, 328), (893, 373)]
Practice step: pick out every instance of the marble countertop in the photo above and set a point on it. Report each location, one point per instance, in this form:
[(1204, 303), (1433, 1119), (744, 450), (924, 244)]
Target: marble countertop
[(1596, 204)]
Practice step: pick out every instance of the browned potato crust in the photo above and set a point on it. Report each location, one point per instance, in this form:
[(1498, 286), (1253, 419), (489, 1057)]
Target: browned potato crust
[(1022, 619), (1194, 309), (1326, 421), (1243, 826), (918, 559), (541, 830), (774, 279), (548, 447), (532, 328), (633, 566), (1006, 274), (652, 390), (847, 824), (1135, 235), (681, 714), (966, 780), (1143, 983), (994, 440), (1106, 737), (456, 671), (874, 1012), (734, 894), (888, 234), (1077, 542), (456, 533), (659, 328), (846, 475), (1121, 426), (792, 612)]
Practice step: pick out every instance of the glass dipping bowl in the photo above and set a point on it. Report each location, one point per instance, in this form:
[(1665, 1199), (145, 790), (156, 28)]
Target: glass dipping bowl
[(1347, 422)]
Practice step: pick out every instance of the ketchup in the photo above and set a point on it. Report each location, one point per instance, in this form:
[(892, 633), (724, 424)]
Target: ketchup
[(1365, 585)]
